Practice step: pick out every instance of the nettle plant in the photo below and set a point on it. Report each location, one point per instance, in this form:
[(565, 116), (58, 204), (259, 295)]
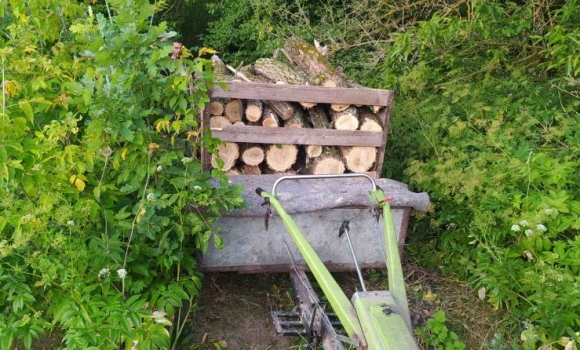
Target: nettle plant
[(102, 207)]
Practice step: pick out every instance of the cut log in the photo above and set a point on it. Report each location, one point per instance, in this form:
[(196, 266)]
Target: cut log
[(217, 106), (218, 122), (339, 107), (313, 151), (234, 110), (283, 109), (297, 120), (329, 162), (233, 172), (251, 170), (359, 159), (280, 72), (219, 69), (281, 157), (254, 110), (369, 121), (252, 154), (240, 123), (307, 58), (319, 118), (290, 171), (270, 119), (345, 120), (277, 71), (228, 153)]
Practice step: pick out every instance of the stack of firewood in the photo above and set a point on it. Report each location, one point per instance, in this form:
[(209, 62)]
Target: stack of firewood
[(305, 66)]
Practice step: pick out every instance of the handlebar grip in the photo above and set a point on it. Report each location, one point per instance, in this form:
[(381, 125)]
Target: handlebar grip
[(259, 191)]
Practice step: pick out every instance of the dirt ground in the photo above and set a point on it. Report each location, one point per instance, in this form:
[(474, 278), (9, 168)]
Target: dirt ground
[(236, 308)]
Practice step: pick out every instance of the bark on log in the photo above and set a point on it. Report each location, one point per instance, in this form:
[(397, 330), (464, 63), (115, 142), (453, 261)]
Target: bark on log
[(329, 162), (270, 119), (277, 71), (251, 169), (280, 72), (254, 110), (252, 154), (281, 157), (345, 120), (229, 153), (369, 121), (359, 159), (234, 110), (283, 109), (219, 69), (307, 58), (296, 121), (319, 118), (218, 122)]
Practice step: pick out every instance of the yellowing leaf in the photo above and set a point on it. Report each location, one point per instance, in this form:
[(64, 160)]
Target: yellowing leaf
[(162, 125), (141, 213), (79, 184), (124, 153), (205, 50)]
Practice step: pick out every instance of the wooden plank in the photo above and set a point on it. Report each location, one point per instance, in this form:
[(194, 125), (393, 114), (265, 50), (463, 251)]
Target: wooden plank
[(305, 93), (323, 137)]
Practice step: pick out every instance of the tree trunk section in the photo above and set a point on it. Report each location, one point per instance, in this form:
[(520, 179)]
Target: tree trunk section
[(270, 119), (369, 121), (345, 120), (217, 106), (229, 153), (359, 159), (329, 162), (307, 58), (234, 110), (218, 122), (319, 118), (297, 120), (254, 110), (252, 154), (281, 157), (251, 170), (277, 71)]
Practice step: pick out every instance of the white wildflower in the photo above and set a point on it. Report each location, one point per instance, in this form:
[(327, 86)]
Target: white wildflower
[(122, 273), (559, 277), (515, 228), (549, 211), (529, 232), (159, 168), (186, 160), (523, 223), (150, 197), (104, 272), (70, 223), (197, 188), (541, 227)]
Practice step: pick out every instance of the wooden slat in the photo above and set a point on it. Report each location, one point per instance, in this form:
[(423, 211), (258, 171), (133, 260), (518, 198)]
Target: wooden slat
[(323, 137), (302, 93)]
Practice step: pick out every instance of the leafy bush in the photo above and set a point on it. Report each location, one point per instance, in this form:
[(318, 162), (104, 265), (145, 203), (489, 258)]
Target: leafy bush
[(102, 209)]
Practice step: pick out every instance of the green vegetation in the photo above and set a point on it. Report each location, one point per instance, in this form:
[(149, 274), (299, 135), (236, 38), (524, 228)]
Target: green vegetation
[(97, 229), (486, 121), (102, 209)]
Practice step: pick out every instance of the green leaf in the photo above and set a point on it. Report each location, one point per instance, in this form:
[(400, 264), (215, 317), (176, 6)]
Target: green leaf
[(27, 109)]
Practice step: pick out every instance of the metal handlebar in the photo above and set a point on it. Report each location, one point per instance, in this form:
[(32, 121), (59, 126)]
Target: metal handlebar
[(327, 176)]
